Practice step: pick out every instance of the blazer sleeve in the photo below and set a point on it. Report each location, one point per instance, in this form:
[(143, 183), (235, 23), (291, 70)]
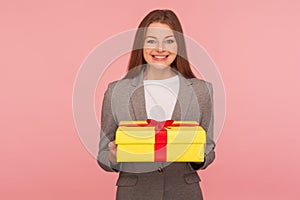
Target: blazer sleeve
[(108, 129), (207, 122)]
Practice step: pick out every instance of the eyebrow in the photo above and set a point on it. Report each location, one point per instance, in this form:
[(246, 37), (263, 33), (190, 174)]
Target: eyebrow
[(156, 37)]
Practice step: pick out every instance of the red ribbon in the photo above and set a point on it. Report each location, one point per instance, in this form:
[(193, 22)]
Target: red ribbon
[(161, 139)]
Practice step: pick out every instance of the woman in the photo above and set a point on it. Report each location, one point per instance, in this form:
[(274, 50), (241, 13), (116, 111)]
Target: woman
[(159, 85)]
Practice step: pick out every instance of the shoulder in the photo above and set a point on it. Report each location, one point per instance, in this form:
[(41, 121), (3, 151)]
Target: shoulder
[(122, 84), (200, 84), (199, 81), (203, 90), (119, 82)]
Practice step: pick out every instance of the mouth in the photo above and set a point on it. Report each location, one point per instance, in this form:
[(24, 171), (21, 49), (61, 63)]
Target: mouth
[(160, 57)]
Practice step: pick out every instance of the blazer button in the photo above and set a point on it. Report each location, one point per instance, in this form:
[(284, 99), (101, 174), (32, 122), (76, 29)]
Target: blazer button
[(160, 169)]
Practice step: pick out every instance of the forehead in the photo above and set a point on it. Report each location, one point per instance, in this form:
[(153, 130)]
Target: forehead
[(159, 30)]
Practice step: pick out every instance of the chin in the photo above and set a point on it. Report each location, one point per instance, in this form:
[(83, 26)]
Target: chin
[(159, 66)]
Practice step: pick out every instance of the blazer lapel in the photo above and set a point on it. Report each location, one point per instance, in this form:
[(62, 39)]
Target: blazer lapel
[(138, 104), (183, 99), (137, 96)]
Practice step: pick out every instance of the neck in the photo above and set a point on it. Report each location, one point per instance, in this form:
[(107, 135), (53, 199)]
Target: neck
[(152, 73)]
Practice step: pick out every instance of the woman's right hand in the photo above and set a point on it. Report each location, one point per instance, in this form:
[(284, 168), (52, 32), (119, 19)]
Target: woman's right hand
[(112, 152)]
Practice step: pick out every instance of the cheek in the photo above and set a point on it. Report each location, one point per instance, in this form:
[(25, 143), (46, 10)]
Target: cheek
[(173, 52), (173, 49), (146, 53), (172, 57)]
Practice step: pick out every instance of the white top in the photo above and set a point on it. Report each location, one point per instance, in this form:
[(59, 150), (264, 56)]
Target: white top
[(161, 97)]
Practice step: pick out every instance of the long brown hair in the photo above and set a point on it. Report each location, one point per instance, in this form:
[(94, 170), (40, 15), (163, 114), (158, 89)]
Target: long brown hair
[(168, 17)]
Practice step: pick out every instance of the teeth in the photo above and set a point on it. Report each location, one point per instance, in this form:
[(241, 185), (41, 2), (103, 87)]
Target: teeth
[(160, 56)]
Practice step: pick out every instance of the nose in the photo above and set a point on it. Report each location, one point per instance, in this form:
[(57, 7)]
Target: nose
[(160, 46)]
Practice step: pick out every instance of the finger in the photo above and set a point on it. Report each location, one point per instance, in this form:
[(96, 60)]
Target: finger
[(111, 145), (113, 152), (114, 143)]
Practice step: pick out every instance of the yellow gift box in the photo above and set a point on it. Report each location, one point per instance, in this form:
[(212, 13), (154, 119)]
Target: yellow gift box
[(166, 141)]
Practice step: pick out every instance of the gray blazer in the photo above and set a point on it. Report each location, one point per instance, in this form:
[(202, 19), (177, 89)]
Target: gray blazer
[(125, 100)]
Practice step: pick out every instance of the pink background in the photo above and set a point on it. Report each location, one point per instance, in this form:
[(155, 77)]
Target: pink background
[(254, 43)]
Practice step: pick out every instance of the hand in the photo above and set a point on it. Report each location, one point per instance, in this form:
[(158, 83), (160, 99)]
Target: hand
[(112, 152)]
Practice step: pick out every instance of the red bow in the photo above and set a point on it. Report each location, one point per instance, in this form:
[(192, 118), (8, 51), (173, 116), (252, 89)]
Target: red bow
[(159, 125)]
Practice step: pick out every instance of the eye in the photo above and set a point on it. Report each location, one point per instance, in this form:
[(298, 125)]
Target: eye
[(150, 41), (170, 41)]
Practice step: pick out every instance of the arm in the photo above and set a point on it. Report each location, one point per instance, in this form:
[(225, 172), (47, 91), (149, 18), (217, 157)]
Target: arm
[(207, 122), (107, 132)]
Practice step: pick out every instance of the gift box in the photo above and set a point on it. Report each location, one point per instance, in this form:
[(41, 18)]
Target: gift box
[(160, 141)]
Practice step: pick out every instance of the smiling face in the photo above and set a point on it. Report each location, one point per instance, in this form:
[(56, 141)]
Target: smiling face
[(160, 46)]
